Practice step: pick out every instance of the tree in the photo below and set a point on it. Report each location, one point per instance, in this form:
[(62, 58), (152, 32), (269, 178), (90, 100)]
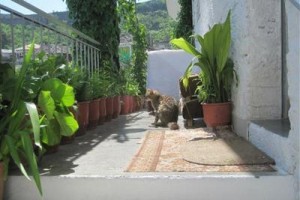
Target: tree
[(138, 31), (184, 27), (99, 20)]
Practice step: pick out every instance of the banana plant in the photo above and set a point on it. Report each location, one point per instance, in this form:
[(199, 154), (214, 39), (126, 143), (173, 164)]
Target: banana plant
[(217, 70)]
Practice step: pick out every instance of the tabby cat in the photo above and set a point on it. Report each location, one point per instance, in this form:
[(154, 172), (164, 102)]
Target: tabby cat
[(165, 108)]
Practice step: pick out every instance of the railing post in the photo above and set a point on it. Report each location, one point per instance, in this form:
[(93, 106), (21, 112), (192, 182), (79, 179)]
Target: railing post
[(41, 38), (12, 41), (32, 39), (0, 39), (84, 48), (23, 42)]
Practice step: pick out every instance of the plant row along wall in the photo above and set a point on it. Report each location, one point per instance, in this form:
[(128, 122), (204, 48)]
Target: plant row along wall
[(101, 20), (130, 23)]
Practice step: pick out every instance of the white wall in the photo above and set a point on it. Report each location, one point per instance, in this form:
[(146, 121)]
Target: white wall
[(257, 54), (165, 67), (258, 95), (293, 65)]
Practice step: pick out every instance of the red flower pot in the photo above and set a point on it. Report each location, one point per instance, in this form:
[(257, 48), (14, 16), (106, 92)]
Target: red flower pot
[(117, 107), (102, 111), (93, 113), (109, 108), (125, 108), (83, 117), (217, 114), (131, 104)]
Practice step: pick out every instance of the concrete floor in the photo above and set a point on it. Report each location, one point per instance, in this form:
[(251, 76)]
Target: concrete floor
[(92, 167), (106, 150)]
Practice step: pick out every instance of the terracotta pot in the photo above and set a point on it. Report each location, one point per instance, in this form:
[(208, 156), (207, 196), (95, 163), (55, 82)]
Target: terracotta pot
[(1, 180), (51, 149), (102, 111), (109, 108), (83, 117), (140, 102), (117, 107), (93, 113), (67, 139), (217, 114), (125, 108), (131, 104)]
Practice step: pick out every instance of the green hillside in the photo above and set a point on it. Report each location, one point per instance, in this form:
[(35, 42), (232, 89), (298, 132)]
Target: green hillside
[(153, 14)]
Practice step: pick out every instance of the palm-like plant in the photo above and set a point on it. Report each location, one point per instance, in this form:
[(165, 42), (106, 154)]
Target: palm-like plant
[(217, 70)]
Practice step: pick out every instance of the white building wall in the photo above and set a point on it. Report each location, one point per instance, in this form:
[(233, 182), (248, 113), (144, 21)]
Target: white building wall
[(257, 54), (258, 95), (293, 65), (165, 67)]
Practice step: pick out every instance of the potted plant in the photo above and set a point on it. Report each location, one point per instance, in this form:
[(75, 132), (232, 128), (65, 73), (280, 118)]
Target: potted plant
[(19, 124), (108, 88), (95, 88), (54, 96), (27, 103), (83, 97), (117, 81), (130, 90), (217, 72), (104, 84)]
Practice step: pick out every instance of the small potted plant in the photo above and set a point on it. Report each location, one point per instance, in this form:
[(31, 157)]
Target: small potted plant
[(217, 72), (83, 97), (95, 88)]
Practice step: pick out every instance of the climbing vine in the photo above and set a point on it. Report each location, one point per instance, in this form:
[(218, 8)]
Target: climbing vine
[(184, 27), (138, 31), (98, 19)]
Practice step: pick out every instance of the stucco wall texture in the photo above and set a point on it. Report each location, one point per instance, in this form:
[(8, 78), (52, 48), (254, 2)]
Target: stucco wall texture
[(258, 95), (257, 53)]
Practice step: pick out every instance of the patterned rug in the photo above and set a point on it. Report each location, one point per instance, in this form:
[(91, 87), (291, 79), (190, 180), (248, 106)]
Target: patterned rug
[(160, 151)]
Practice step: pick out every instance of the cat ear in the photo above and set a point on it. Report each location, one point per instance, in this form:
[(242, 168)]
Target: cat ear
[(150, 91)]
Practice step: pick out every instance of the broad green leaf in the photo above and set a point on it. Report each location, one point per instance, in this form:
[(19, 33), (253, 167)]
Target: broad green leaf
[(51, 132), (34, 119), (46, 103), (68, 99), (31, 159), (54, 86), (68, 125), (60, 92), (185, 45), (225, 40)]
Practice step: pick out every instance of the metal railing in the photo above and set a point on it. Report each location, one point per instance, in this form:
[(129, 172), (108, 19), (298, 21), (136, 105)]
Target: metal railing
[(50, 34)]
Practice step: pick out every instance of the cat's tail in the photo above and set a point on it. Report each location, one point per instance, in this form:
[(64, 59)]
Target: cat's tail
[(173, 125)]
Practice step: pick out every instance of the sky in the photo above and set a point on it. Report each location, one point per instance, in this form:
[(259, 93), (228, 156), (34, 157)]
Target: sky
[(45, 5)]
